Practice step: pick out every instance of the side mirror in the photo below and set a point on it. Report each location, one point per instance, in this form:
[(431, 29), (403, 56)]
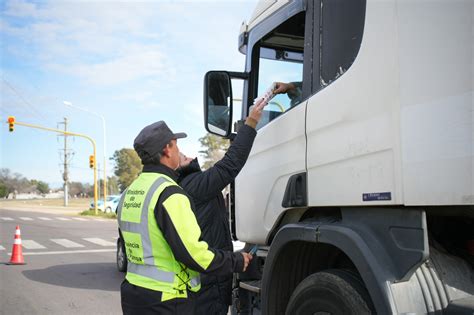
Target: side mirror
[(218, 103)]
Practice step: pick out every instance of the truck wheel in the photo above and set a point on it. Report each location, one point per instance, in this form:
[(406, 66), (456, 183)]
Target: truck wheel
[(121, 256), (330, 292)]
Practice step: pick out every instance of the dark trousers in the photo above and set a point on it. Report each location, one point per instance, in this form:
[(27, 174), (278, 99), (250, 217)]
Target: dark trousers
[(215, 295), (140, 301)]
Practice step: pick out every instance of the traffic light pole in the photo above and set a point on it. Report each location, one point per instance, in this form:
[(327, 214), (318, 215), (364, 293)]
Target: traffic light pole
[(68, 133)]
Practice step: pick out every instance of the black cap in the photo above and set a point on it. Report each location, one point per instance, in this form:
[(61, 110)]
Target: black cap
[(153, 138)]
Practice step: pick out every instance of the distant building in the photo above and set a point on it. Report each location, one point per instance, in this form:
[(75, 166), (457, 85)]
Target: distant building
[(34, 195)]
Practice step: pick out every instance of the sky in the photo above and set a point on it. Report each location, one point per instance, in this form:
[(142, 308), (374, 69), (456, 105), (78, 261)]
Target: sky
[(132, 63)]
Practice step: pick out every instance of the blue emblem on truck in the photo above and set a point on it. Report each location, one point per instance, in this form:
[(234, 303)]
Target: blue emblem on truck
[(378, 196)]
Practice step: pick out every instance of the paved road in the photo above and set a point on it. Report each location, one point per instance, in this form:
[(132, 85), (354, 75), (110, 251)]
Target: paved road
[(70, 265)]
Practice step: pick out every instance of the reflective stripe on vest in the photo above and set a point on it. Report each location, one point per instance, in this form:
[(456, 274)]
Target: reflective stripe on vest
[(149, 269), (195, 281)]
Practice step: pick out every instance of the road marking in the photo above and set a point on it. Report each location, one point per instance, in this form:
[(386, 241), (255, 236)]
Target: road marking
[(81, 251), (99, 241), (6, 219), (2, 248), (66, 243), (30, 244), (44, 218), (80, 219), (63, 219), (26, 219)]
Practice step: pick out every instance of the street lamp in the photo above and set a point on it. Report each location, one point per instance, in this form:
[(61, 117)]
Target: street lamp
[(105, 155)]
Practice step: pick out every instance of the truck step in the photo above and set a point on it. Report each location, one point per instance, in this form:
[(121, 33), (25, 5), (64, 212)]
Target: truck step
[(252, 285), (262, 252)]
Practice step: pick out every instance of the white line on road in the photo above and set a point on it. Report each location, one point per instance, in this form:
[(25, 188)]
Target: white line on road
[(30, 244), (80, 219), (26, 219), (66, 243), (99, 241), (44, 218), (2, 248), (6, 219), (80, 251), (63, 219)]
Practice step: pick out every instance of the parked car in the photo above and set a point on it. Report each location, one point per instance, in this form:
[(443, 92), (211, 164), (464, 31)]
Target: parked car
[(110, 205)]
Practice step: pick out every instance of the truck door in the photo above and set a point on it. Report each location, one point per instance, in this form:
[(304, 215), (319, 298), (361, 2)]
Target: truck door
[(279, 150)]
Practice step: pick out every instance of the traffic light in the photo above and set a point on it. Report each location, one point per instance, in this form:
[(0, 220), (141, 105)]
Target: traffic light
[(91, 161), (11, 123)]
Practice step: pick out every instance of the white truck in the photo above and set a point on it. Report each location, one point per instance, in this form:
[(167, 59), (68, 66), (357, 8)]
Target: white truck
[(359, 189)]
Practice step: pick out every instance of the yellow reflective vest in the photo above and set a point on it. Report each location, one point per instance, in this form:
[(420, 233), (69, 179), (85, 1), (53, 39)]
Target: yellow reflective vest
[(151, 263)]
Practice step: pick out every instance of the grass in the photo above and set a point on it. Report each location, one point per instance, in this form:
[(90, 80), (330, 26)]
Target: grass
[(91, 212)]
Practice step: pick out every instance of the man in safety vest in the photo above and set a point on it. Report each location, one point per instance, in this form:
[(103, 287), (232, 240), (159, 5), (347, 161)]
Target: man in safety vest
[(205, 190), (161, 235)]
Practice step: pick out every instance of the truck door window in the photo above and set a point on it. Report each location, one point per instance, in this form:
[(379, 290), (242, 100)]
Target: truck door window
[(281, 60), (342, 25)]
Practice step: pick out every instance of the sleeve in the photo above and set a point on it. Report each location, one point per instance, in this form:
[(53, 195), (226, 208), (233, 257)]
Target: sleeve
[(206, 185), (297, 94), (177, 221)]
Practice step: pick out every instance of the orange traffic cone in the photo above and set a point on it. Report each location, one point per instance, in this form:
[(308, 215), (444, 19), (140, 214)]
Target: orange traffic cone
[(17, 254)]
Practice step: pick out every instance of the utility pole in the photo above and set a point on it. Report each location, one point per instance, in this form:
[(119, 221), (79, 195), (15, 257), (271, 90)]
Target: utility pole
[(66, 158), (105, 146)]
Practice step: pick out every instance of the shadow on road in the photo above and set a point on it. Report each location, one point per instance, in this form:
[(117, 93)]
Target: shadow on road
[(95, 276)]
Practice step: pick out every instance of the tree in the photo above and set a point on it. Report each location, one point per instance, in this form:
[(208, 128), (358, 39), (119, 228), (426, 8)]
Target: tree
[(76, 189), (215, 148), (42, 187), (88, 190), (3, 190), (5, 182), (127, 166), (112, 185), (15, 182)]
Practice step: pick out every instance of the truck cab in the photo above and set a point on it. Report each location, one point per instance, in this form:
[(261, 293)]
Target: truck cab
[(362, 176)]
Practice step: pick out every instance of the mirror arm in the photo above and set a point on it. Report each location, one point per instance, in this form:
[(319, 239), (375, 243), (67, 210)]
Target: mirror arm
[(239, 75)]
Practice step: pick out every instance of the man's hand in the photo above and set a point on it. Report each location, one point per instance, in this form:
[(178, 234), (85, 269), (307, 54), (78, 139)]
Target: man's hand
[(282, 88), (256, 109), (255, 113), (247, 259)]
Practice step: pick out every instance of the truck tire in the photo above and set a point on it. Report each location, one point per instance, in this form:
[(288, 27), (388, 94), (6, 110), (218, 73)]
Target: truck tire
[(121, 256), (331, 291)]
